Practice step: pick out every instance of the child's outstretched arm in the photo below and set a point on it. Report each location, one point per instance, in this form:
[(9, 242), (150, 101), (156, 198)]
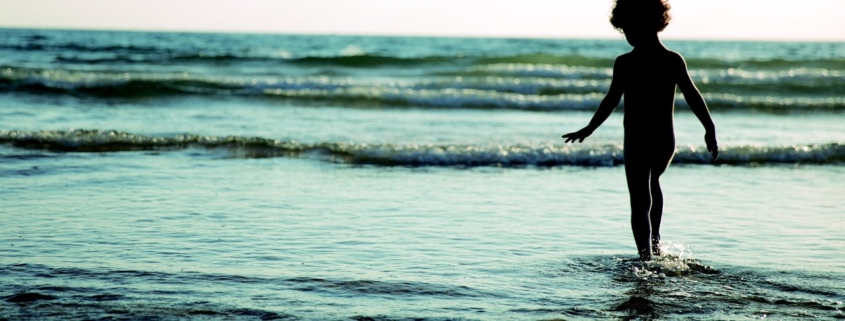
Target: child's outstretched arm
[(607, 106), (699, 108)]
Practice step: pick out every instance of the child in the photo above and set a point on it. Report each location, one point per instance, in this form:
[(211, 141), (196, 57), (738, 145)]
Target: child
[(647, 76)]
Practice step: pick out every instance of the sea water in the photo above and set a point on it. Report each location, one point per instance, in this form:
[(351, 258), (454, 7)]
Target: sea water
[(173, 176)]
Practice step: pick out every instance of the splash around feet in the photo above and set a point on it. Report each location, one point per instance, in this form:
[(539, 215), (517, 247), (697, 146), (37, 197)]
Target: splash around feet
[(669, 259)]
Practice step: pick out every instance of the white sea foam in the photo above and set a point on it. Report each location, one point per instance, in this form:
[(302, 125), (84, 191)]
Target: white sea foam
[(417, 155), (792, 75), (546, 70), (450, 97), (704, 76)]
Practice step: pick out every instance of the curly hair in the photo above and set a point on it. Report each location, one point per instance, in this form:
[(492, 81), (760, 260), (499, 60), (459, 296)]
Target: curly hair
[(640, 15)]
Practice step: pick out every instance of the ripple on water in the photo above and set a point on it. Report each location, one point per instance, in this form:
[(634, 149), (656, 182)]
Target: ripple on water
[(675, 285), (670, 286)]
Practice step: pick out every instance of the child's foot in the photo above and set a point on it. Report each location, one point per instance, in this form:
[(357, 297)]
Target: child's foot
[(655, 245), (645, 256), (655, 248)]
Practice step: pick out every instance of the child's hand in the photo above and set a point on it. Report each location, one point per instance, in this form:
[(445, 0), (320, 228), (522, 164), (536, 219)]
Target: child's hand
[(579, 135), (712, 147)]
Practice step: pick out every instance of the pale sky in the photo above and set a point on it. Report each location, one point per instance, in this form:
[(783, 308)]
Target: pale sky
[(692, 19)]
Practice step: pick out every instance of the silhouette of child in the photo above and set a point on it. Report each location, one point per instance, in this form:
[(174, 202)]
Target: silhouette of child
[(647, 76)]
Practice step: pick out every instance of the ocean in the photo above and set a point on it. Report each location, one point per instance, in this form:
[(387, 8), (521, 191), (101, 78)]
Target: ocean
[(170, 176)]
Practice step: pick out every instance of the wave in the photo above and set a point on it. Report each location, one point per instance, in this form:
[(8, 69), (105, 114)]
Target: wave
[(79, 53), (102, 85), (665, 288), (524, 93), (306, 284), (36, 46), (115, 54), (473, 98), (442, 98), (798, 74), (165, 58), (535, 70), (156, 295), (769, 103), (412, 154), (366, 60), (359, 61), (702, 63)]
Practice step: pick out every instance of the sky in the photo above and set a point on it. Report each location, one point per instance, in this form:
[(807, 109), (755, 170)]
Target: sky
[(810, 20)]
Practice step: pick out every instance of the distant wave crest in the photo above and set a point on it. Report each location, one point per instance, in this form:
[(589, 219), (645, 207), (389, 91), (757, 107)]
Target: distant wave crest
[(121, 54)]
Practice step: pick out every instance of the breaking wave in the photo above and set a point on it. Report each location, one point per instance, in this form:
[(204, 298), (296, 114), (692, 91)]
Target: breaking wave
[(411, 154)]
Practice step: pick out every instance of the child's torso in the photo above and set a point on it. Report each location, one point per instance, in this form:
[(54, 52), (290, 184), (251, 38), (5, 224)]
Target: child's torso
[(649, 80)]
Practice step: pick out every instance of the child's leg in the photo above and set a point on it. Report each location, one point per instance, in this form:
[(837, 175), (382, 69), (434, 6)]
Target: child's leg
[(639, 188), (656, 213), (659, 166)]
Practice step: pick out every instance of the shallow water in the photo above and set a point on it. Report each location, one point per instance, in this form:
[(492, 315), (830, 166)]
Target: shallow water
[(185, 233), (140, 203)]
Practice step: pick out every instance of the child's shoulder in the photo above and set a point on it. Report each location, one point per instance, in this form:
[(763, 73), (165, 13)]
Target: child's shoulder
[(667, 56), (622, 60), (675, 56)]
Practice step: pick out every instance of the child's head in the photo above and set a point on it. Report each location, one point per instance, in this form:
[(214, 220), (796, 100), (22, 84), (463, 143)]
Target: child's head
[(640, 16)]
